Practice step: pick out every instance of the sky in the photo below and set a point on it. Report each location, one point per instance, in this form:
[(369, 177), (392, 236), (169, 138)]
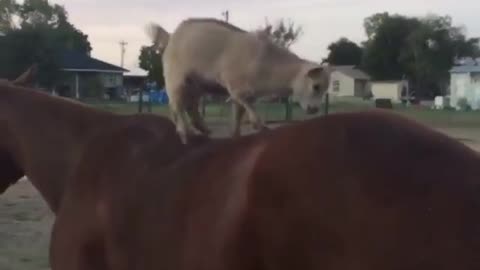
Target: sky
[(107, 22)]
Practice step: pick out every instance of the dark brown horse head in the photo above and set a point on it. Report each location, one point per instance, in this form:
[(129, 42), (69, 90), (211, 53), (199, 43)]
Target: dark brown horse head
[(40, 136)]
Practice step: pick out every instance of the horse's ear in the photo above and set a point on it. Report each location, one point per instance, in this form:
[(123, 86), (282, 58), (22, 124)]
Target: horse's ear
[(327, 69)]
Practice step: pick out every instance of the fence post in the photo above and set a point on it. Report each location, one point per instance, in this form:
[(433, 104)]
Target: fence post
[(327, 103), (233, 115), (203, 105), (288, 109), (140, 100), (149, 104)]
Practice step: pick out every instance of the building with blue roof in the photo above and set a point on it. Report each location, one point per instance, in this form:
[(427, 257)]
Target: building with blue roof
[(82, 73)]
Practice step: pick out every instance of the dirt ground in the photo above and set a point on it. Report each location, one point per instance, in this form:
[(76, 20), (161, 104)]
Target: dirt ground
[(25, 221)]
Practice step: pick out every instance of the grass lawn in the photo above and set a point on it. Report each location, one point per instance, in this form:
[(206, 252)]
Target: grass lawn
[(276, 112)]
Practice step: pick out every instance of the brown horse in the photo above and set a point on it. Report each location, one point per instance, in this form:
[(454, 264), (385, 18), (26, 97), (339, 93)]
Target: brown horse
[(41, 136), (348, 191)]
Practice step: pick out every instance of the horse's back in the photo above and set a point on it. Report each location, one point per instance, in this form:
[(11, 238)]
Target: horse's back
[(361, 190), (106, 186), (349, 191), (366, 190)]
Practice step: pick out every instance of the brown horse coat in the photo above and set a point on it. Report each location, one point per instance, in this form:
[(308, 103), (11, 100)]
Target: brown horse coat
[(348, 191), (41, 136)]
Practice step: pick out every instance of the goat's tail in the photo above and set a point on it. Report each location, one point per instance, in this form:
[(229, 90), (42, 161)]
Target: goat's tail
[(158, 35)]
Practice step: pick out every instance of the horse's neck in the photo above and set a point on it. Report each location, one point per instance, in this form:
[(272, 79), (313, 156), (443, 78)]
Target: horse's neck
[(47, 159), (45, 139)]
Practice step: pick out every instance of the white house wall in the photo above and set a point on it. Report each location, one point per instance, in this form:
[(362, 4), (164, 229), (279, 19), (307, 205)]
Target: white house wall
[(464, 85), (475, 91), (386, 90), (347, 85)]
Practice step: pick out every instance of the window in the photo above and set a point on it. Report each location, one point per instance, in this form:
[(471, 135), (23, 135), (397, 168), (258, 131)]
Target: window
[(336, 86), (112, 79)]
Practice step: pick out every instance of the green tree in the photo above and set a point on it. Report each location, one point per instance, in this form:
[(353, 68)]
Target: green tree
[(37, 13), (372, 23), (344, 52), (463, 46), (431, 52), (384, 56), (27, 46), (151, 61), (72, 38), (424, 49), (44, 31), (8, 9)]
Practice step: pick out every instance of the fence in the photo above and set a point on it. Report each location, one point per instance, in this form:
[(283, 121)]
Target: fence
[(270, 109)]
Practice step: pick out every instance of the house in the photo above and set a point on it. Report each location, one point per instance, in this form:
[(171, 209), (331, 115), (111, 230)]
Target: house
[(134, 80), (394, 90), (465, 86), (349, 81), (84, 76)]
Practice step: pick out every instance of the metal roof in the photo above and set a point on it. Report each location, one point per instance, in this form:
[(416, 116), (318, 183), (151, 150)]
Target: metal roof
[(352, 71), (136, 72), (465, 69), (75, 61)]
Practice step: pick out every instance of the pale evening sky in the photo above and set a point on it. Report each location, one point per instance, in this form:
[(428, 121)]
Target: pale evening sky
[(109, 21)]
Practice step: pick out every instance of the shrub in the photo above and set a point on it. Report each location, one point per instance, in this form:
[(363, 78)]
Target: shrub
[(463, 104)]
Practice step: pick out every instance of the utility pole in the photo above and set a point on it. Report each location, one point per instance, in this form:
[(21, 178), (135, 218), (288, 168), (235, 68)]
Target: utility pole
[(226, 15), (122, 47)]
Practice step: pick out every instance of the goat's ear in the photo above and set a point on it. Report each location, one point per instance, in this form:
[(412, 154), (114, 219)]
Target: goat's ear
[(315, 72), (328, 69)]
